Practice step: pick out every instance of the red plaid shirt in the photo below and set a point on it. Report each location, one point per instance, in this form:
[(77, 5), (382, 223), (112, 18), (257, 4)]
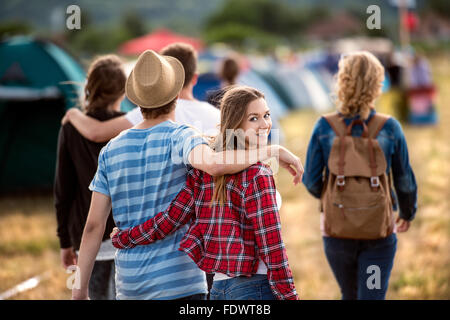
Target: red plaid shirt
[(228, 239)]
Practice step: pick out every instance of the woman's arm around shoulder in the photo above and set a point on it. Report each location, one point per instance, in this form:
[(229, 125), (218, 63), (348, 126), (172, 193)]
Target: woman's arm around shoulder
[(180, 211)]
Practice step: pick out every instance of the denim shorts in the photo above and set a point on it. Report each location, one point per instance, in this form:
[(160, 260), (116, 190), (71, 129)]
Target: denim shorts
[(256, 287)]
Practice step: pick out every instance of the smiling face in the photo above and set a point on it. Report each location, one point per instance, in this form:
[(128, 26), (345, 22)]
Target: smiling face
[(256, 123), (245, 123)]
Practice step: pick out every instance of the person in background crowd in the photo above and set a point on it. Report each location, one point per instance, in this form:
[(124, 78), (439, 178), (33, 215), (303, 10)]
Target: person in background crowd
[(75, 167), (419, 72), (358, 85), (228, 73)]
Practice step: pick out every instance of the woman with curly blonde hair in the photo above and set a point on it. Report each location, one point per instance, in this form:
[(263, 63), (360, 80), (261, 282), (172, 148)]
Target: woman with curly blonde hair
[(361, 267)]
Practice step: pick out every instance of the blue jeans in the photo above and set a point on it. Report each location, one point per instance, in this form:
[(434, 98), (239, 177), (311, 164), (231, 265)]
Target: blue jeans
[(198, 296), (255, 287), (361, 267), (102, 285)]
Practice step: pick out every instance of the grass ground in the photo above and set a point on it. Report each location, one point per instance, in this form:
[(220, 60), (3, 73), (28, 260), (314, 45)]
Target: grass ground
[(29, 245)]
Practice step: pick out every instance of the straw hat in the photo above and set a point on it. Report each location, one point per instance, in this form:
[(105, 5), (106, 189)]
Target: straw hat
[(155, 80)]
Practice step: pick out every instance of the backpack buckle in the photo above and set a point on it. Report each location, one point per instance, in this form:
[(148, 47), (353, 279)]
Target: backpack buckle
[(374, 182), (340, 181)]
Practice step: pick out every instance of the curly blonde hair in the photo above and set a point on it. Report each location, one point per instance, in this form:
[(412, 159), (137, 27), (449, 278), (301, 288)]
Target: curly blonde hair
[(359, 82)]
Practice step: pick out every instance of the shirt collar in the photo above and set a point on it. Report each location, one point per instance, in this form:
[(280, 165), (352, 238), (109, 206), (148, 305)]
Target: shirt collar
[(349, 120)]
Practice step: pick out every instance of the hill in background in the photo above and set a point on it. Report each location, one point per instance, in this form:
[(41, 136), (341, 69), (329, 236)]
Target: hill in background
[(181, 15)]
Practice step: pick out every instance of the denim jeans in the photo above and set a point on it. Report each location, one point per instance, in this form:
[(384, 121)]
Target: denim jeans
[(198, 296), (255, 287), (361, 267), (102, 285), (209, 281)]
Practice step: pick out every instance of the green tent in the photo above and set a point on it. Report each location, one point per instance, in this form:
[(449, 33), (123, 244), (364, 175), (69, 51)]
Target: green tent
[(38, 82)]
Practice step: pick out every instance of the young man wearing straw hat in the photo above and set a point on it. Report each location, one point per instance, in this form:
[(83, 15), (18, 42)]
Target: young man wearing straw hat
[(140, 172)]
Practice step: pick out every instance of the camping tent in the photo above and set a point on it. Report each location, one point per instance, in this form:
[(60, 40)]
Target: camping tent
[(206, 83), (278, 108), (305, 88), (156, 41), (277, 86), (37, 84)]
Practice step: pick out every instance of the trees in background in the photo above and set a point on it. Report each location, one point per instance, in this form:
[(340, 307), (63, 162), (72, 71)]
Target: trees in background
[(260, 23), (12, 28), (92, 39), (253, 24)]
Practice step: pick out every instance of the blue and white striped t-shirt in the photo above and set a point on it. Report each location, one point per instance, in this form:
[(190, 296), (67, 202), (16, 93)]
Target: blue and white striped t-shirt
[(142, 170)]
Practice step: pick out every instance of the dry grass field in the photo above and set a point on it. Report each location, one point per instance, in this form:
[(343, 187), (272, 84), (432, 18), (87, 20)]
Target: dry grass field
[(29, 245)]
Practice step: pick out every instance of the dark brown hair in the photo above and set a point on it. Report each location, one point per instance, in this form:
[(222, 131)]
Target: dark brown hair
[(187, 55), (105, 82), (152, 113), (229, 70)]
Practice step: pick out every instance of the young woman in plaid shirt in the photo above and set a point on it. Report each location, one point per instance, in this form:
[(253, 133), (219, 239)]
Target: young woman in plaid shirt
[(235, 229)]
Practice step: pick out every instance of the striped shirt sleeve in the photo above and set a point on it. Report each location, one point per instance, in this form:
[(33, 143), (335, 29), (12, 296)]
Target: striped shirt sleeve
[(100, 181), (184, 141)]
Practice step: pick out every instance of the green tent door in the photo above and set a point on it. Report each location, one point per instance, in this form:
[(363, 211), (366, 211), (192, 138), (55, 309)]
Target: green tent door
[(38, 83)]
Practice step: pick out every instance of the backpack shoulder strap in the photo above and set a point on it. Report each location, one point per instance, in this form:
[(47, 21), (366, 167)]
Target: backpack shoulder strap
[(336, 123), (376, 123)]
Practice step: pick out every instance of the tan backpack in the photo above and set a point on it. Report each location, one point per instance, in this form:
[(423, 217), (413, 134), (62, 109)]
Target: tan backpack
[(356, 198)]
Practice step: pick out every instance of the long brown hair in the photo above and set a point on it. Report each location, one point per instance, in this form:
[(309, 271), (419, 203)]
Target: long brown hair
[(105, 82), (233, 108)]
